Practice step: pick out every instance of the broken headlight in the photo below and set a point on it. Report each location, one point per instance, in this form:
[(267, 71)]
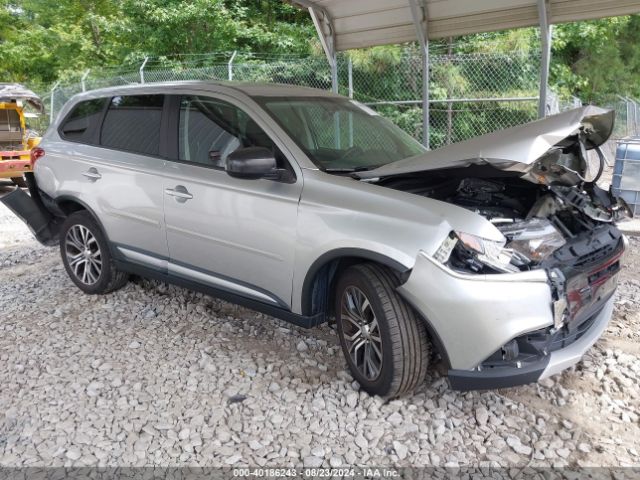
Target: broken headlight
[(489, 253), (475, 252), (533, 239)]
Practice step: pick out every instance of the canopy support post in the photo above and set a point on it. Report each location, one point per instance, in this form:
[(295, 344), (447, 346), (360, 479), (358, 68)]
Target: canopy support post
[(324, 27), (420, 23), (546, 31), (326, 33)]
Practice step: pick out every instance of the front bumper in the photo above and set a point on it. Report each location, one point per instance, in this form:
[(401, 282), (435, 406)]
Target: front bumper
[(498, 330), (472, 316), (551, 364)]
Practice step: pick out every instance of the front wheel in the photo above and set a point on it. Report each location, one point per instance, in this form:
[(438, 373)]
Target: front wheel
[(384, 342), (86, 256)]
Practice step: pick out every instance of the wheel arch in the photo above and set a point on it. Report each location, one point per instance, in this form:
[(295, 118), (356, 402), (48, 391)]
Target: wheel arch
[(67, 205), (318, 281), (317, 291)]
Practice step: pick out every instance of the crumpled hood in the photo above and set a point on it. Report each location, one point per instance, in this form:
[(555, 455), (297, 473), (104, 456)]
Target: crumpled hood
[(513, 149), (15, 91)]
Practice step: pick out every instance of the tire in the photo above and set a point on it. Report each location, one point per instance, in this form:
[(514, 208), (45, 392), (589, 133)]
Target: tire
[(94, 272), (19, 181), (403, 337)]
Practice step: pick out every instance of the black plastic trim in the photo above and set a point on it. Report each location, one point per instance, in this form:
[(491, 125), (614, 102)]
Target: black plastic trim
[(171, 127), (498, 377), (272, 310), (118, 255), (33, 213), (337, 254)]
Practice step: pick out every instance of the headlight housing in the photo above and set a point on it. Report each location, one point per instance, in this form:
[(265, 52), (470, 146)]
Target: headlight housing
[(488, 252), (535, 239), (476, 252), (526, 243)]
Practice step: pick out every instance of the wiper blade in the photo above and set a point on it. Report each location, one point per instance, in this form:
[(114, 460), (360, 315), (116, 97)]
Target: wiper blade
[(347, 170)]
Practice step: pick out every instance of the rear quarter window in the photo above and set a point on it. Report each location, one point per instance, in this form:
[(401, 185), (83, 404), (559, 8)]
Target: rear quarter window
[(83, 121)]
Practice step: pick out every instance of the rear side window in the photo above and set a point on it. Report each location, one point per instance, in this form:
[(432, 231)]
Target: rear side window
[(83, 120), (132, 123)]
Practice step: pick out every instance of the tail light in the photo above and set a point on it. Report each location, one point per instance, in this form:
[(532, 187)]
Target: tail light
[(36, 153)]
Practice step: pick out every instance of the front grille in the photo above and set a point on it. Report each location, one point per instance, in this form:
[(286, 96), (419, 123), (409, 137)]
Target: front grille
[(596, 255)]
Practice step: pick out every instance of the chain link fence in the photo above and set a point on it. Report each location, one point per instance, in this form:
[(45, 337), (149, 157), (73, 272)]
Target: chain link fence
[(470, 93)]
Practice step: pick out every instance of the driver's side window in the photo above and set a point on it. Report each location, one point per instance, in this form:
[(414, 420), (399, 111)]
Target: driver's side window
[(211, 129)]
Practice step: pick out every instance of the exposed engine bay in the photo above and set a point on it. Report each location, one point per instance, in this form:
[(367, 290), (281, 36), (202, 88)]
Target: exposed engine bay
[(569, 231), (532, 183), (544, 225)]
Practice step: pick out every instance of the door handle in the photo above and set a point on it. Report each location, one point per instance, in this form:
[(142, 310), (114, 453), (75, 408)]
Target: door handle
[(180, 193), (92, 174)]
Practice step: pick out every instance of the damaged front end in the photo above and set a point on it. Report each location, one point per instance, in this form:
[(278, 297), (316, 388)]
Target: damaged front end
[(552, 218)]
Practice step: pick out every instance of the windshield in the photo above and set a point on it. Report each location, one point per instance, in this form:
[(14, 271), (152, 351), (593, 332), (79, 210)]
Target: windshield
[(340, 135)]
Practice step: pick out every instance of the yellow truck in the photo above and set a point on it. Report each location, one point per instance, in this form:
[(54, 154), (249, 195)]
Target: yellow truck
[(16, 138)]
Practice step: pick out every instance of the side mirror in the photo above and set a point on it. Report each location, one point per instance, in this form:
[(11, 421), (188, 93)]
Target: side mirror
[(252, 163)]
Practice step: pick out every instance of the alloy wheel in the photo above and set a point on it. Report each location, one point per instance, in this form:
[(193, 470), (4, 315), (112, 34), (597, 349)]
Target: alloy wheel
[(83, 254), (361, 332)]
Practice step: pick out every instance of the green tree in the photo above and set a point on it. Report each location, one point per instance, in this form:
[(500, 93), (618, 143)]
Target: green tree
[(45, 40), (596, 60)]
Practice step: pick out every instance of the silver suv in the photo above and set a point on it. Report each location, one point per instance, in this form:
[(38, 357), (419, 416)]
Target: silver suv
[(497, 256)]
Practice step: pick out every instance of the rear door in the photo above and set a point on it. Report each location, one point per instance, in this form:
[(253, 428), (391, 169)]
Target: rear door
[(116, 169), (233, 234)]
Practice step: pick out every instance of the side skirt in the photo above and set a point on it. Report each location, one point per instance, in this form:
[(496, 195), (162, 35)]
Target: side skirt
[(272, 310)]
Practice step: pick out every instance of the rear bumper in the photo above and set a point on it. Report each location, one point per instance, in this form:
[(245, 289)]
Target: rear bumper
[(546, 366), (14, 163), (30, 210)]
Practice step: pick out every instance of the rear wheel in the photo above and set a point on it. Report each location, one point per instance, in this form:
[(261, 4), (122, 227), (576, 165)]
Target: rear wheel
[(383, 340), (86, 256), (19, 181)]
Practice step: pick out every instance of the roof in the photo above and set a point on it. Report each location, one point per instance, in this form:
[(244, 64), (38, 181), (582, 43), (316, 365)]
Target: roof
[(249, 88), (366, 23)]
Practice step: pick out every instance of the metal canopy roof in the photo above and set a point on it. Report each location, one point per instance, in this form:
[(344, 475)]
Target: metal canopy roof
[(347, 24), (366, 23)]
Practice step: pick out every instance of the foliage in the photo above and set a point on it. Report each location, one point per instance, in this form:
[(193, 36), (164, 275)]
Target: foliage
[(45, 40), (598, 59)]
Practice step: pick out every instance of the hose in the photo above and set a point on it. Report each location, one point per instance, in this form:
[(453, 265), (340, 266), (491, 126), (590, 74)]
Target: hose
[(602, 159)]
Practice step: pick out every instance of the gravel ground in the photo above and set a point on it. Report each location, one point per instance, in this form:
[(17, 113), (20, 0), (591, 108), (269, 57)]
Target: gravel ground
[(157, 375)]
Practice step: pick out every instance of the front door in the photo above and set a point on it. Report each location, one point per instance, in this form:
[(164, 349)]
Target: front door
[(233, 234)]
